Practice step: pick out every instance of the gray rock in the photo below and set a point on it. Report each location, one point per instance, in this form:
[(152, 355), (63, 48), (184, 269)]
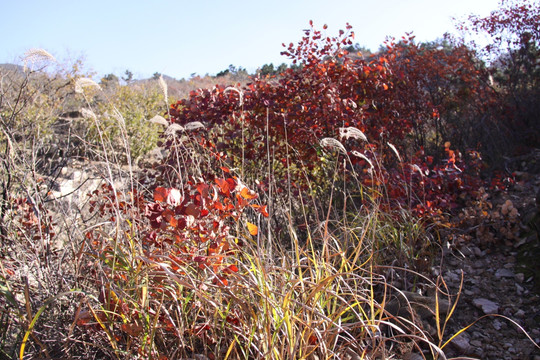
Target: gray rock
[(476, 343), (487, 306), (478, 252), (462, 344), (504, 273), (467, 251), (452, 277)]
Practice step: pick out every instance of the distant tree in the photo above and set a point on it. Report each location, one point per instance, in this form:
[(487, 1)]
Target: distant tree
[(109, 80), (357, 48), (241, 71), (281, 68), (267, 69), (232, 69), (129, 76), (222, 73), (156, 75)]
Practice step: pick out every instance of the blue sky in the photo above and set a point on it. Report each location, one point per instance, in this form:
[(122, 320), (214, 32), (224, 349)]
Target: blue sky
[(180, 37)]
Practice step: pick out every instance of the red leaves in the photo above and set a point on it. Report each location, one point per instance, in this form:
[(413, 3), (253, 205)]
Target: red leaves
[(189, 228), (261, 209), (399, 94), (225, 186), (160, 194), (169, 196)]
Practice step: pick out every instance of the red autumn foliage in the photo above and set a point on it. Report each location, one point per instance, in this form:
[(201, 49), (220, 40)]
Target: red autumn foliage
[(408, 91)]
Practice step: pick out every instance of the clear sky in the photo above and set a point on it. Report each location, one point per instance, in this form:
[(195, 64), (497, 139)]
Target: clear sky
[(178, 38)]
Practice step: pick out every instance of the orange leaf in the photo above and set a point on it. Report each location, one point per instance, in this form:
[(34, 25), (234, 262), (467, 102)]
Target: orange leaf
[(131, 329), (252, 228), (264, 211), (160, 194), (248, 194), (223, 186)]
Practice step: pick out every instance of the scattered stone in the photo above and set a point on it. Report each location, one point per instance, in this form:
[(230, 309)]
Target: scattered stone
[(507, 312), (504, 273), (467, 251), (462, 344), (452, 277), (476, 335), (520, 277), (476, 343), (413, 356), (478, 265), (497, 325), (520, 314), (487, 306)]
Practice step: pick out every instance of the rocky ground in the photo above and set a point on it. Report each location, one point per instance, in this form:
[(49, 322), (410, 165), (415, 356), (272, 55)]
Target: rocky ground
[(493, 287), (501, 278)]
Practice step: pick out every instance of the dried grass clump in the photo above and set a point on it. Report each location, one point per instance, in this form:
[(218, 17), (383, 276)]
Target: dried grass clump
[(352, 132), (395, 151), (83, 83), (158, 119), (88, 114), (333, 144), (364, 157), (164, 89), (194, 125), (173, 128), (36, 56)]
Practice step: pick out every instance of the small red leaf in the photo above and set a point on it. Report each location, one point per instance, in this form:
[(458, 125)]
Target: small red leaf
[(202, 188), (223, 186), (192, 210), (263, 210), (160, 194), (218, 280)]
